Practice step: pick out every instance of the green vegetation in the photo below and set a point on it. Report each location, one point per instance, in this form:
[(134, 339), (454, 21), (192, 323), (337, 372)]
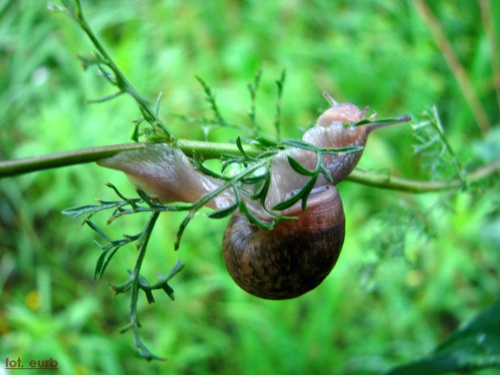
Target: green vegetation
[(413, 268)]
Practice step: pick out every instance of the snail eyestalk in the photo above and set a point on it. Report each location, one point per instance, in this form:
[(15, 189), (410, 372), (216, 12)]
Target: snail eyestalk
[(329, 99)]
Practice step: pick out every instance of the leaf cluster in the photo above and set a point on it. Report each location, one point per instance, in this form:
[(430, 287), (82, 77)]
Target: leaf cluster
[(106, 68), (433, 147)]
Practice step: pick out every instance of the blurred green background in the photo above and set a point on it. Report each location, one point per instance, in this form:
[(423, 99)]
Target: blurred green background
[(413, 268)]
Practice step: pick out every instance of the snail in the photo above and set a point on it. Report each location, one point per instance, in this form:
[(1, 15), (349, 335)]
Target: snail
[(296, 255)]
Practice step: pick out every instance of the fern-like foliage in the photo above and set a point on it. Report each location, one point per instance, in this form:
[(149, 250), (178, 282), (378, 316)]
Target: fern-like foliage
[(434, 149)]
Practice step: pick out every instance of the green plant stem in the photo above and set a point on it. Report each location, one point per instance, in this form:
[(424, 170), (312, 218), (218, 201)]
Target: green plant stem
[(454, 64), (488, 19), (134, 319), (205, 150), (386, 181), (121, 80), (212, 150)]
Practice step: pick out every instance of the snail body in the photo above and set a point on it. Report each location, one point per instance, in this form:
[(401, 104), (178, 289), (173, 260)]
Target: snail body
[(295, 256)]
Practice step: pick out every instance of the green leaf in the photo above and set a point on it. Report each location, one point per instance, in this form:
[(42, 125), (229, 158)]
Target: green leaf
[(99, 269), (198, 164), (380, 121), (326, 175), (98, 230), (299, 144), (223, 212), (266, 142), (80, 210), (254, 220), (297, 167), (240, 147), (163, 280), (277, 117), (157, 104), (135, 133), (210, 98), (474, 346), (253, 180), (178, 266), (103, 261), (262, 194), (288, 203), (306, 190), (301, 195), (182, 227), (325, 150), (144, 286), (339, 150)]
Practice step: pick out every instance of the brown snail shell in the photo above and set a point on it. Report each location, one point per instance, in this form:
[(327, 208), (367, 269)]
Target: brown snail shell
[(295, 256)]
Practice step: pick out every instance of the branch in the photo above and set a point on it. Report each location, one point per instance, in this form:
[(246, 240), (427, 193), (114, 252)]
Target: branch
[(489, 29), (102, 59), (454, 64), (212, 150), (208, 150), (386, 181)]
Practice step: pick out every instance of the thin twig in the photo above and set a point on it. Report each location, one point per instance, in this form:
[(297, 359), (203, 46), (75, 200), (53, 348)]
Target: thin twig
[(489, 28), (454, 64), (440, 129), (134, 319), (121, 81), (253, 88), (277, 117), (414, 186), (211, 150)]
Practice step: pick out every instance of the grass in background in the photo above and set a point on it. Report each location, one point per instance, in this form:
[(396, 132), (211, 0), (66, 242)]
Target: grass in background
[(412, 268)]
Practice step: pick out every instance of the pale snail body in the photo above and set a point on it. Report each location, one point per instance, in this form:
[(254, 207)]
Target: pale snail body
[(295, 256)]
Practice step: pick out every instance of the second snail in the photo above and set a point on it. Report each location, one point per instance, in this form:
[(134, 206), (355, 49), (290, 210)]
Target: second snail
[(296, 255)]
